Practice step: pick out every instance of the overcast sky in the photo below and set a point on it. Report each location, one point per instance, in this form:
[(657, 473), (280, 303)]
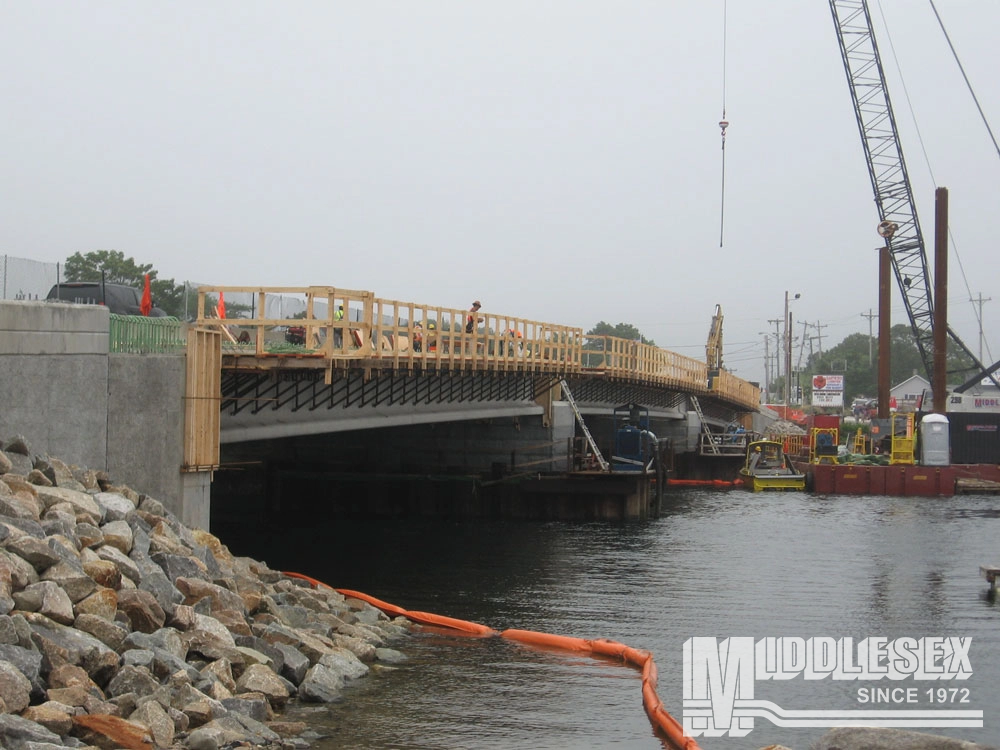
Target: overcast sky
[(557, 160)]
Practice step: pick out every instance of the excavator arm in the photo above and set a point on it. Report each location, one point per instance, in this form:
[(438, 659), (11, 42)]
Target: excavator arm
[(713, 349)]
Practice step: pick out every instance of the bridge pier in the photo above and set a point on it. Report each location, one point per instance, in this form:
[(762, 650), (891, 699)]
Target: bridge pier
[(196, 499)]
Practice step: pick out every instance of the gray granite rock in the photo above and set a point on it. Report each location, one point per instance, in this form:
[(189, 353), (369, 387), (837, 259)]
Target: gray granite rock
[(16, 732), (861, 738), (321, 685), (295, 664), (15, 688), (156, 719), (209, 642), (132, 679), (114, 507)]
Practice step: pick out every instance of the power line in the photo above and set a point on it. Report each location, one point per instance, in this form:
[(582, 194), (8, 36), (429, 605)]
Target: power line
[(980, 300), (819, 335), (871, 333), (966, 78)]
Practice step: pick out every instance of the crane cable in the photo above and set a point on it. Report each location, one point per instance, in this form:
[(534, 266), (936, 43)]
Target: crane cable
[(965, 77), (923, 147), (723, 124), (968, 84)]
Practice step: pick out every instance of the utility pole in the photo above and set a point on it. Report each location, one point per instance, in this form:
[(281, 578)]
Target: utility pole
[(788, 351), (819, 336), (777, 347), (980, 300), (802, 344), (767, 368), (871, 316)]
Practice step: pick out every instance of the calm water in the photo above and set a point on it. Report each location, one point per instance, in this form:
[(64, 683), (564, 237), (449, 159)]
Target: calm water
[(716, 564)]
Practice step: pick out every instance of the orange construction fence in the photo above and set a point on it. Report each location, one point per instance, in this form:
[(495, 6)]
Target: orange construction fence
[(639, 658)]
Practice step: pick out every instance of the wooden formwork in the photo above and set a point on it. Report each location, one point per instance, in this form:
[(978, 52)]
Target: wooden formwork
[(202, 399), (344, 328)]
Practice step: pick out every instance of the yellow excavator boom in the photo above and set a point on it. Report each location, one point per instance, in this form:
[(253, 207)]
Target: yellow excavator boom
[(713, 349)]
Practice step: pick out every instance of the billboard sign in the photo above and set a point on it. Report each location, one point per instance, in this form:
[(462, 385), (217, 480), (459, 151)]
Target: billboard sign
[(828, 390)]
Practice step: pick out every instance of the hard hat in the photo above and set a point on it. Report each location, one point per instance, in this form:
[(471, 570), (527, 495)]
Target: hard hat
[(431, 325), (477, 303)]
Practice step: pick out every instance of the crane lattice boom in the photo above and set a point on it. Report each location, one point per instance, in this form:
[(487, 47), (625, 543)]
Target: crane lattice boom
[(887, 169)]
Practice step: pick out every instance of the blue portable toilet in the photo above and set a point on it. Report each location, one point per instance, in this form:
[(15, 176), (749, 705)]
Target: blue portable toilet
[(935, 441)]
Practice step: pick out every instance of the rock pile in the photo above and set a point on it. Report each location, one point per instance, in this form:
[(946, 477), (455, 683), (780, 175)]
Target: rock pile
[(121, 627)]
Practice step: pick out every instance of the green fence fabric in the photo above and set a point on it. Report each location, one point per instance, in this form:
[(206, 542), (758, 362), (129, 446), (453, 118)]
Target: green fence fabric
[(135, 334)]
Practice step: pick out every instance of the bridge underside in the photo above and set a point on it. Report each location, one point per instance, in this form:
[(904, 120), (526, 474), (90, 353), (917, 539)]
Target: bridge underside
[(434, 442), (260, 405)]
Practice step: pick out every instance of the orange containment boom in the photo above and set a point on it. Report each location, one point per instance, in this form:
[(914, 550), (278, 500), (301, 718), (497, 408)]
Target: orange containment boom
[(643, 660), (389, 609), (651, 702), (428, 618), (704, 482)]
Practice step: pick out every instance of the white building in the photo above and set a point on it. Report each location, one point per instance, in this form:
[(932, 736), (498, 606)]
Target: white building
[(907, 395)]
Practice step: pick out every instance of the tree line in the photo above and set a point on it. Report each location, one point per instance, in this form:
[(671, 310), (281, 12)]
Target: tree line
[(857, 359), (114, 268)]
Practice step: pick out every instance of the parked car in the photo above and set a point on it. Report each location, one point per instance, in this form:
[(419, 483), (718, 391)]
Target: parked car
[(295, 335), (118, 298)]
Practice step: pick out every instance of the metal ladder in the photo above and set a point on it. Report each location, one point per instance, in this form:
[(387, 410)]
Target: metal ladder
[(583, 426), (710, 438)]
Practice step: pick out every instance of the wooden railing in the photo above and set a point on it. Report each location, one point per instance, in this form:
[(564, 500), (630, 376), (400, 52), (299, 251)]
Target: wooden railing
[(392, 333)]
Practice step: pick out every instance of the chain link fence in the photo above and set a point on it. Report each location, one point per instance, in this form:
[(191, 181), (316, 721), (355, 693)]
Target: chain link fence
[(24, 279), (244, 304), (21, 278)]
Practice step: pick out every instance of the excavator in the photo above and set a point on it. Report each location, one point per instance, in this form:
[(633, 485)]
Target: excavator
[(898, 222), (713, 349)]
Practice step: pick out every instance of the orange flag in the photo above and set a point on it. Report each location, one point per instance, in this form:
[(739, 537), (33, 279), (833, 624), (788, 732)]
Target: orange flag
[(146, 306), (221, 310)]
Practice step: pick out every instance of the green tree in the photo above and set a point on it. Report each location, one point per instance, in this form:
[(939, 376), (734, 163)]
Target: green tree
[(960, 365), (117, 269), (850, 358), (621, 330)]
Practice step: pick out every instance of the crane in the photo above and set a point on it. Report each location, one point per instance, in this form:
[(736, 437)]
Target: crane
[(899, 225)]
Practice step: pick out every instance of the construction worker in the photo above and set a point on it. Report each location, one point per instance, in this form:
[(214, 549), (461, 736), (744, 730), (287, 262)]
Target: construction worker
[(515, 336), (338, 334), (418, 336), (432, 342), (472, 321)]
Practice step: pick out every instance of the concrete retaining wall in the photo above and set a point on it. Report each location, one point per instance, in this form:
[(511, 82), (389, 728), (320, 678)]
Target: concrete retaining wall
[(145, 412), (62, 390)]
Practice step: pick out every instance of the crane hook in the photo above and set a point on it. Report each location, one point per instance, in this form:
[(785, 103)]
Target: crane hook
[(887, 228)]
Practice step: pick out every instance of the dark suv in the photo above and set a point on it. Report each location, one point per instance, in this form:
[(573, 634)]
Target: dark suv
[(119, 299)]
